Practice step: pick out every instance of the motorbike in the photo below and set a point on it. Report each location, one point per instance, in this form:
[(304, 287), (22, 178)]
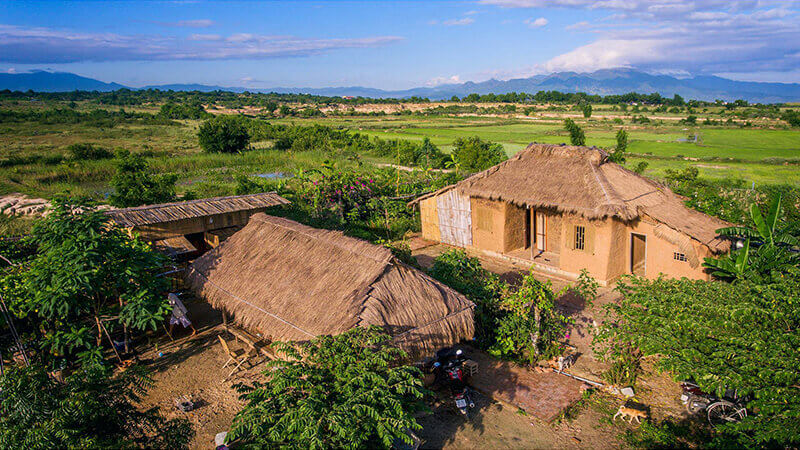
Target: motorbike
[(719, 410), (448, 368)]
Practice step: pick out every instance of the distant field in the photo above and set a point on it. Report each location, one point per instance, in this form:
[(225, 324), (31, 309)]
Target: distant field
[(749, 148), (755, 154)]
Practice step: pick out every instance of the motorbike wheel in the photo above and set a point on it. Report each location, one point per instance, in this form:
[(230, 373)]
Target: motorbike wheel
[(723, 411), (695, 404)]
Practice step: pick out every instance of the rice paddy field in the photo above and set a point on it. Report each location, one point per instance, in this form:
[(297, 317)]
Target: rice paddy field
[(766, 152)]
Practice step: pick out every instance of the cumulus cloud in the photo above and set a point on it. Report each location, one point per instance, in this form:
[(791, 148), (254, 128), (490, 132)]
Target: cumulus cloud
[(45, 45), (681, 36), (459, 22), (536, 23)]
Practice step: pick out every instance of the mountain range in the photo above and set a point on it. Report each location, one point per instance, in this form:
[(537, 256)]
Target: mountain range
[(603, 82)]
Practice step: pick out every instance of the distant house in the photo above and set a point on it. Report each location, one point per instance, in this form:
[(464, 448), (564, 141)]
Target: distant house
[(563, 209), (190, 227), (293, 282)]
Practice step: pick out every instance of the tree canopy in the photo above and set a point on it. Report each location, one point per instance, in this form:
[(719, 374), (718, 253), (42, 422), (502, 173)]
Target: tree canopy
[(85, 268), (739, 336), (136, 184), (223, 134), (576, 134), (473, 154), (90, 409), (342, 391)]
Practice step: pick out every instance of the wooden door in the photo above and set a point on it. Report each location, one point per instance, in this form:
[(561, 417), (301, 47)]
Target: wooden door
[(638, 254), (541, 232), (528, 228)]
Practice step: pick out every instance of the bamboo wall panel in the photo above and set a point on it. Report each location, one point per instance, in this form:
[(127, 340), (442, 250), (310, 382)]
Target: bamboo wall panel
[(455, 219)]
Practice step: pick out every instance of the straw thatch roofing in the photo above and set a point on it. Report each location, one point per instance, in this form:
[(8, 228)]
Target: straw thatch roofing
[(579, 180), (294, 282), (168, 212)]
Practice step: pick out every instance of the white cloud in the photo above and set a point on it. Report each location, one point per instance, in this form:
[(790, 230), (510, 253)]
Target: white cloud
[(46, 45), (536, 23), (459, 22), (678, 36), (444, 80)]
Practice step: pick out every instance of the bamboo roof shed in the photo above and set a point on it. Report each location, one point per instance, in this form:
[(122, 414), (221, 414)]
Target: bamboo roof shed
[(170, 220), (293, 282)]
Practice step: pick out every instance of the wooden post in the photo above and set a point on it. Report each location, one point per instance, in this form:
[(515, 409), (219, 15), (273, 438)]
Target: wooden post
[(110, 340)]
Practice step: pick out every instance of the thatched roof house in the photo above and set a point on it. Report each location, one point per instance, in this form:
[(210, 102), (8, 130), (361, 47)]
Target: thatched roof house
[(578, 187), (294, 282)]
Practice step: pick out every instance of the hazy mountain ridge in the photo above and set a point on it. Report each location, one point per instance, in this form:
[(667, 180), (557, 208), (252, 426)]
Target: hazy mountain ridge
[(603, 82)]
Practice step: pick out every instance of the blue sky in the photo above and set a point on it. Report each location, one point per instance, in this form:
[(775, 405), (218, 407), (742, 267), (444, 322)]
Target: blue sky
[(395, 45)]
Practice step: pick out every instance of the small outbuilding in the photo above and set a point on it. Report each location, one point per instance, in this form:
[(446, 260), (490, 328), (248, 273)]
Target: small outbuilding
[(292, 282), (190, 227), (563, 208)]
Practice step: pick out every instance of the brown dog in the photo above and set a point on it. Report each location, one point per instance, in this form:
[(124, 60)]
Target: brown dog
[(633, 413)]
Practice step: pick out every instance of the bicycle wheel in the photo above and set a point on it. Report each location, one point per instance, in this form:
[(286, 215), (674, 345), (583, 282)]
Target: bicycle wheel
[(723, 411)]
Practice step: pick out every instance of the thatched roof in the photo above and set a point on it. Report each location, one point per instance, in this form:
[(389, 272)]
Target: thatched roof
[(168, 212), (579, 180), (294, 282)]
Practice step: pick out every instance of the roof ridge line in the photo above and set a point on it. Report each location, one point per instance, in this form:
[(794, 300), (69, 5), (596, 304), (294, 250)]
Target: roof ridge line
[(384, 261), (189, 202)]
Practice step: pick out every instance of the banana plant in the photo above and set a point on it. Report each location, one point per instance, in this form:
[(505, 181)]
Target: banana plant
[(765, 227), (732, 266)]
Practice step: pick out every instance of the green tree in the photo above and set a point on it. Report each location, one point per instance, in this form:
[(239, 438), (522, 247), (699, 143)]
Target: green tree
[(92, 408), (587, 110), (576, 135), (618, 155), (136, 184), (791, 117), (473, 154), (739, 336), (87, 268), (344, 391), (531, 327), (223, 134)]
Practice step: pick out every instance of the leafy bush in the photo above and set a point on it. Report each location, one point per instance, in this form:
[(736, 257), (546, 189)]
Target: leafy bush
[(85, 152), (473, 154), (187, 110), (344, 391), (724, 336), (223, 134), (466, 275), (91, 409), (136, 184), (791, 117), (530, 327)]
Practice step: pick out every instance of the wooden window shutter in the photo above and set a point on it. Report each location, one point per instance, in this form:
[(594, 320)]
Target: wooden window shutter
[(589, 244)]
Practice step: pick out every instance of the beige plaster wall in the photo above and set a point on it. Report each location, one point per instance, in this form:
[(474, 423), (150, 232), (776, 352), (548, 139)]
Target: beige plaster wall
[(659, 255), (488, 224), (596, 253)]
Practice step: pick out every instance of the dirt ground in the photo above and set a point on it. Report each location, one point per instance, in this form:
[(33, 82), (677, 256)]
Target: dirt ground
[(191, 366)]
